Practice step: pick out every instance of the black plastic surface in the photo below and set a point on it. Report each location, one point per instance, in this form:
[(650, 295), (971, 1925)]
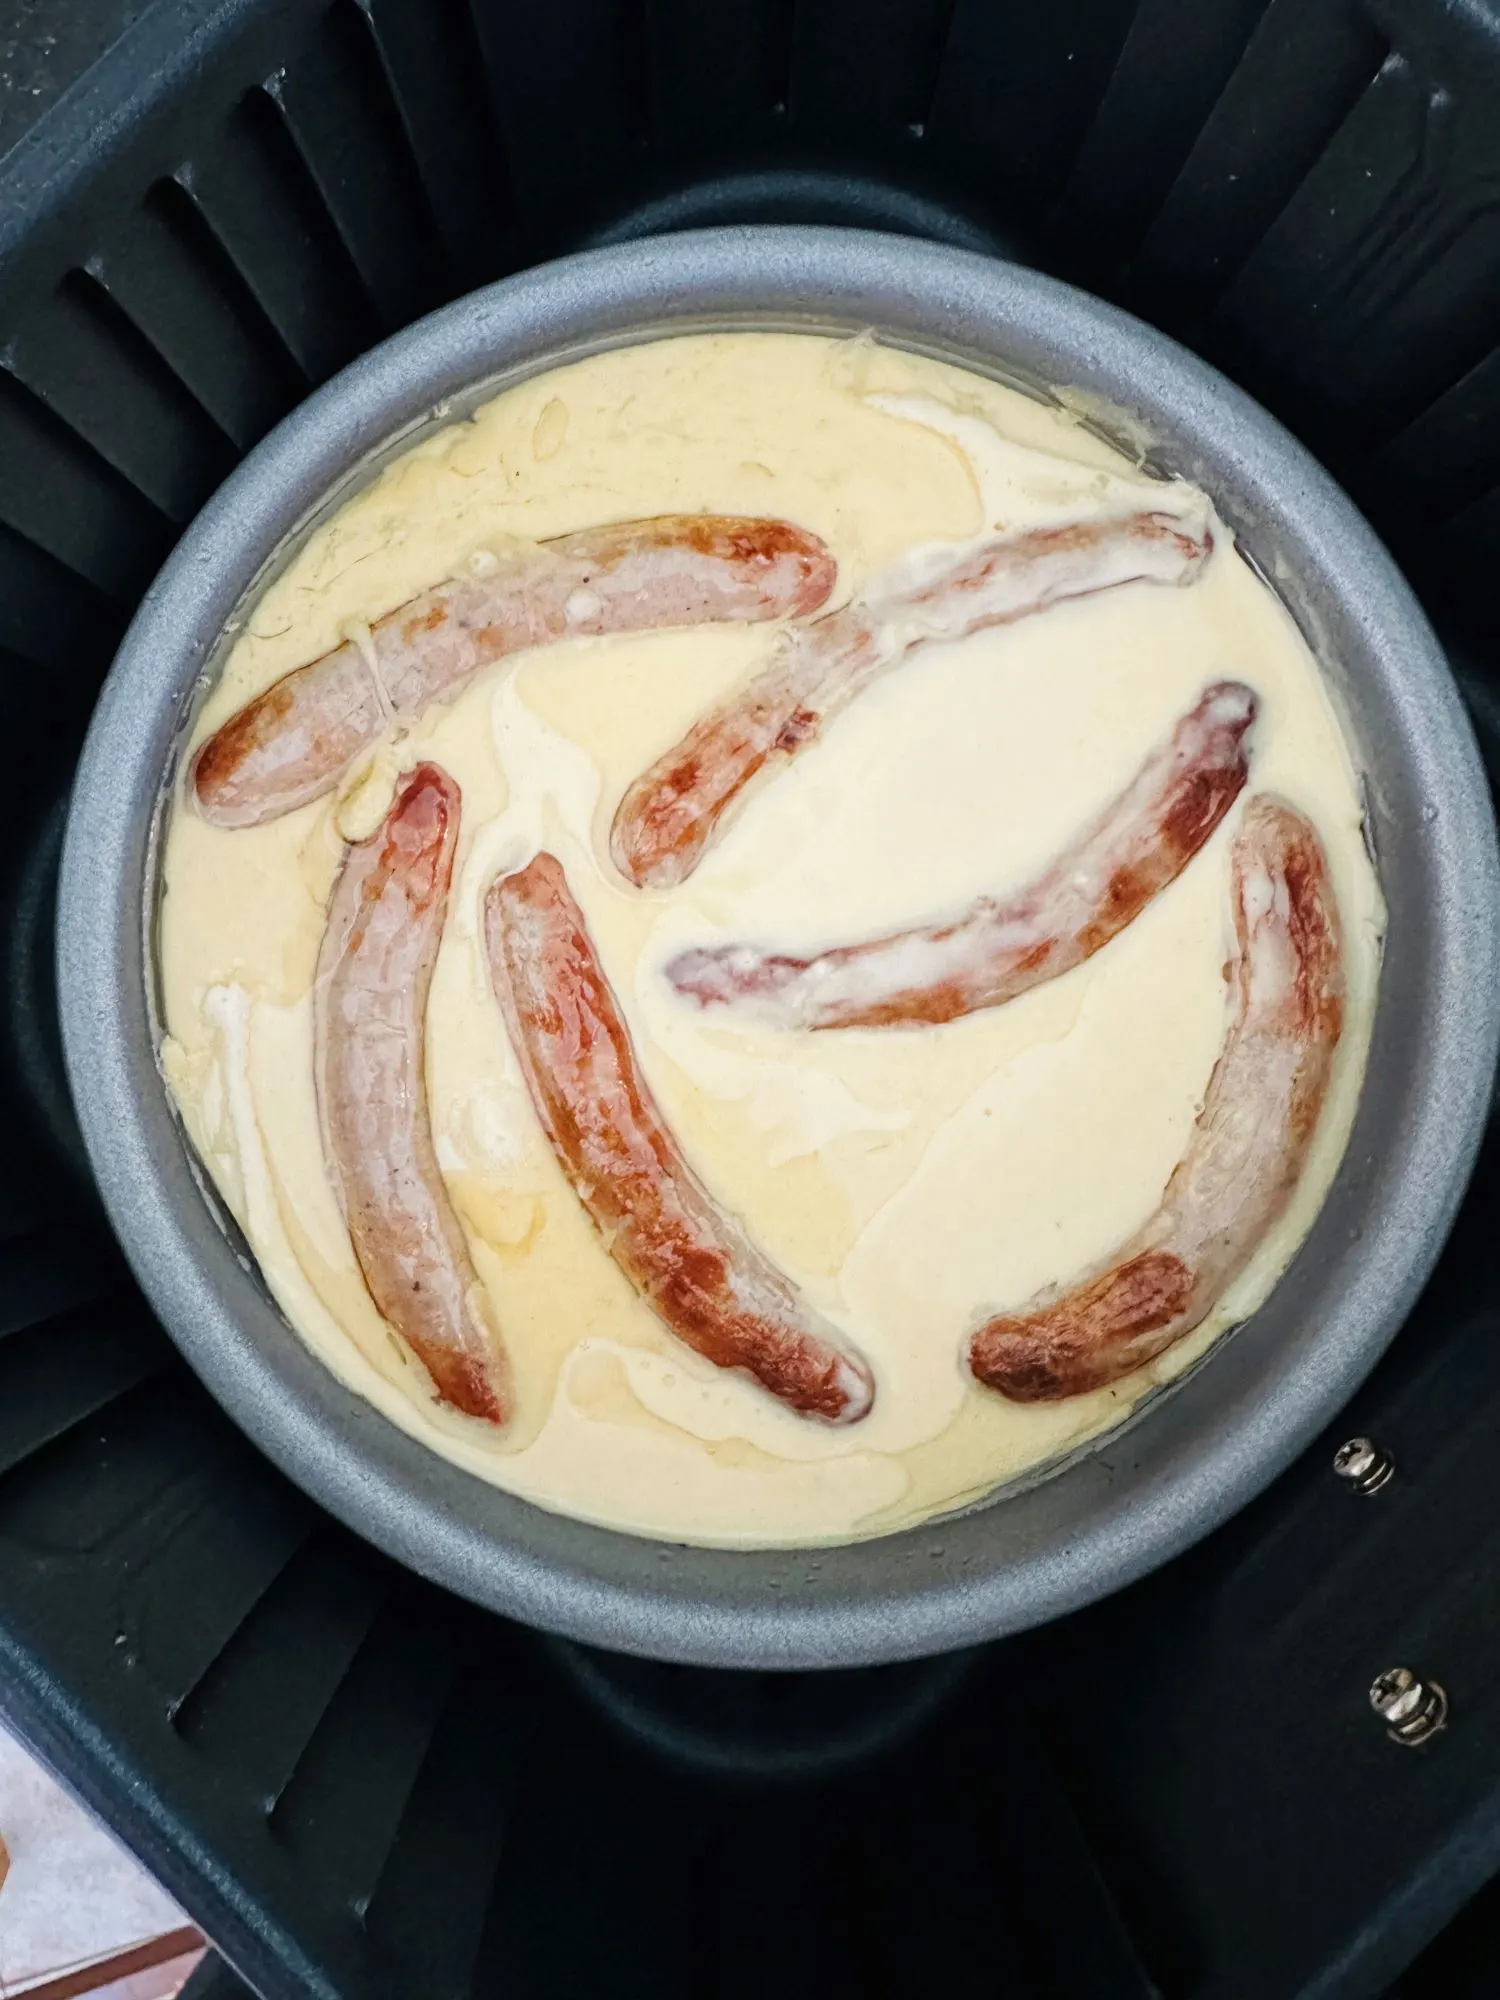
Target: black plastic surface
[(44, 47), (358, 1787)]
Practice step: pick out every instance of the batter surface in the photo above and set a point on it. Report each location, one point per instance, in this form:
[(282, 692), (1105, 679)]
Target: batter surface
[(905, 1179)]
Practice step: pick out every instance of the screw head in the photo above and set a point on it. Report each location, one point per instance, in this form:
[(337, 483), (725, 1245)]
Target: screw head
[(1362, 1463), (1412, 1709), (1395, 1694)]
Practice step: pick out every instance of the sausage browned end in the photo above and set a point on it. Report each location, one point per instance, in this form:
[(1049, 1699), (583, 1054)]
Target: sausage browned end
[(1247, 1149), (686, 1256), (385, 923), (294, 741)]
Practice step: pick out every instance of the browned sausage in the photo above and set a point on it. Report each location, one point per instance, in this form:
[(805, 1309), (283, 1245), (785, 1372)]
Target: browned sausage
[(997, 949), (385, 923), (1246, 1152), (671, 814), (294, 741), (690, 1260)]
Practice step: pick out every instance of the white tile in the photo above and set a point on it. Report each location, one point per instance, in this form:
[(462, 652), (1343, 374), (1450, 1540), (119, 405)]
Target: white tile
[(73, 1893)]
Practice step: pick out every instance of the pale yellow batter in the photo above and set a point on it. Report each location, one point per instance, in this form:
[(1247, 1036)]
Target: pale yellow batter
[(906, 1180)]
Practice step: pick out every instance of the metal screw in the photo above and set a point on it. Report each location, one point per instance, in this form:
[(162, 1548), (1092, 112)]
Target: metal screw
[(1362, 1462), (1412, 1709)]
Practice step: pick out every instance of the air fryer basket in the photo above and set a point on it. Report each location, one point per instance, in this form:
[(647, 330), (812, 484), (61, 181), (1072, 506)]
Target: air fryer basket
[(359, 1786)]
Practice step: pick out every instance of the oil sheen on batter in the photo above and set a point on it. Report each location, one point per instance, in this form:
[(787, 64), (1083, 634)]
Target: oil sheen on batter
[(905, 1179)]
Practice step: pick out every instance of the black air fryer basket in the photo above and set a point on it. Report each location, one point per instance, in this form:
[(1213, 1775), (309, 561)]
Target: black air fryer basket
[(363, 1789)]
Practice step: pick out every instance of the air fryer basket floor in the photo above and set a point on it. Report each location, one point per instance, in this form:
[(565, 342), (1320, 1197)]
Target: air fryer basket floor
[(358, 1786)]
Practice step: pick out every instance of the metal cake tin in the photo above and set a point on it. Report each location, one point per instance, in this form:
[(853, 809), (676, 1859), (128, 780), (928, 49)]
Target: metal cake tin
[(1194, 1453)]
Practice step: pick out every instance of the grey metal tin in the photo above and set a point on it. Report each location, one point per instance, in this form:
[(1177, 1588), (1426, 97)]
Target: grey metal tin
[(1193, 1455)]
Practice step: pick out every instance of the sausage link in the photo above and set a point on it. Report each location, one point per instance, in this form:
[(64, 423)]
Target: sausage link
[(1247, 1149), (689, 1259), (385, 923), (671, 815), (294, 741), (998, 949)]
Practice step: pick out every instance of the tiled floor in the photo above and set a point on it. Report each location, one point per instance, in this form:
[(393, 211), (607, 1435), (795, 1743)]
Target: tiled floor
[(73, 1895)]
